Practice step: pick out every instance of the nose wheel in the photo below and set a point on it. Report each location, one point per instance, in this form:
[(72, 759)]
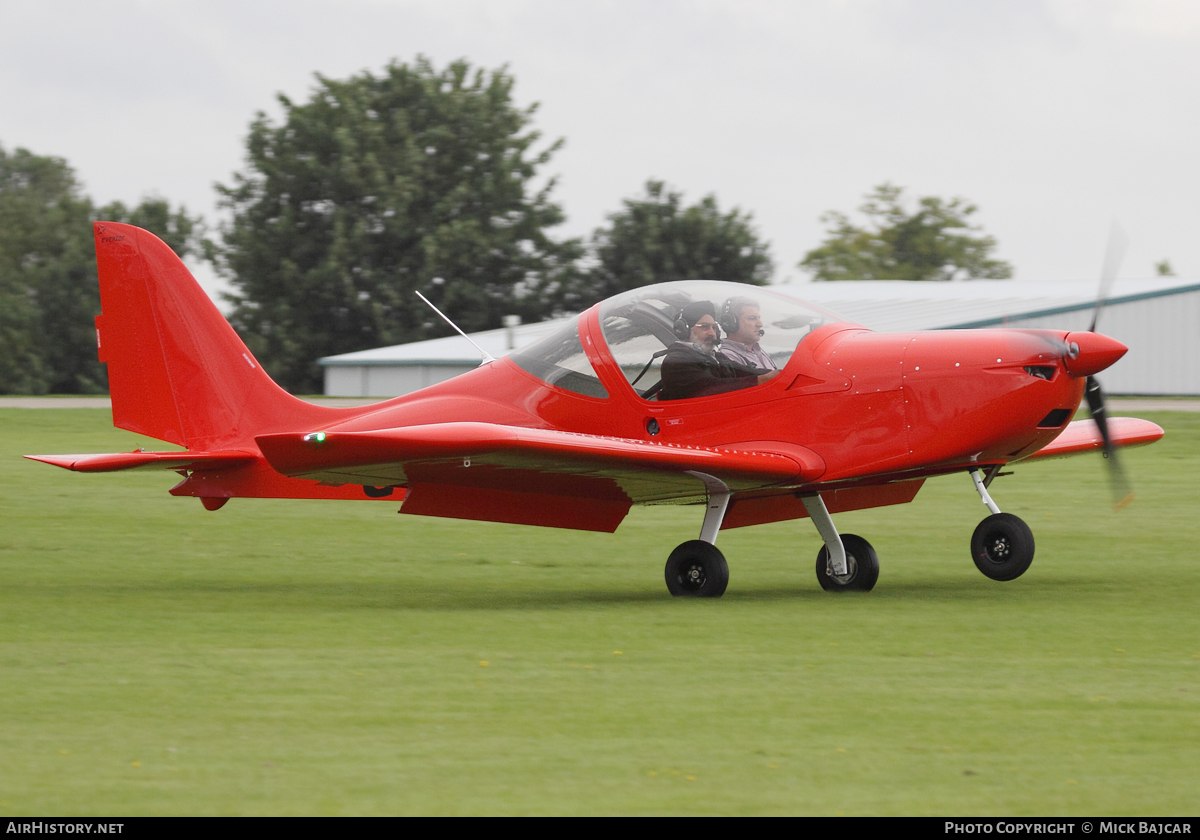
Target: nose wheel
[(1002, 546)]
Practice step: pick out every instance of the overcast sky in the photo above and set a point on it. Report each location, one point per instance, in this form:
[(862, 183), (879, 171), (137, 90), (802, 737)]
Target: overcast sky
[(1053, 116)]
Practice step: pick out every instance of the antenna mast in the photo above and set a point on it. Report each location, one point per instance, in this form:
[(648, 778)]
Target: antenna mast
[(487, 357)]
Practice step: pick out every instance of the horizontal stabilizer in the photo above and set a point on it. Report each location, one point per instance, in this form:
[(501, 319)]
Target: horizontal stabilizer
[(1084, 436), (141, 460)]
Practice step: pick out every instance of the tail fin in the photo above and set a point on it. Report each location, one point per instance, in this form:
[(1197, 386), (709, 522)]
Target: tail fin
[(176, 370)]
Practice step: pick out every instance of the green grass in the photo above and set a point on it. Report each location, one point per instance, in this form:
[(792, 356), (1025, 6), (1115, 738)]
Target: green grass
[(293, 657)]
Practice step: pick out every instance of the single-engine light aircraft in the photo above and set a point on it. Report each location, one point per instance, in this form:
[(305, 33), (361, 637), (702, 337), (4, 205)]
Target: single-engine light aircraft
[(626, 404)]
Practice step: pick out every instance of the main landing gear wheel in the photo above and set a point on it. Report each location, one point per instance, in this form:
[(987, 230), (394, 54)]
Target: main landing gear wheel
[(862, 567), (697, 569), (1002, 546)]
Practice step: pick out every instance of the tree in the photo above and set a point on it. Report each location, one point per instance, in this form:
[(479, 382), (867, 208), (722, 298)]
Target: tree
[(49, 292), (39, 204), (1164, 269), (416, 179), (654, 239), (936, 242)]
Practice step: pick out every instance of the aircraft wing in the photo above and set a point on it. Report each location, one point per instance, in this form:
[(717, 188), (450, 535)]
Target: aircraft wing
[(530, 476), (1083, 436)]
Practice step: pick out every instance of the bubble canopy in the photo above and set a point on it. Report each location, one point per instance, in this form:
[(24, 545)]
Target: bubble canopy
[(639, 325)]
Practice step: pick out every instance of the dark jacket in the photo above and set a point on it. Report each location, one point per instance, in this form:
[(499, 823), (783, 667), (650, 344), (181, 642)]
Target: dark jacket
[(686, 373)]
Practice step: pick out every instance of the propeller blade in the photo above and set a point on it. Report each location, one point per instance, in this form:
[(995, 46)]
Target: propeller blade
[(1113, 255), (1122, 489)]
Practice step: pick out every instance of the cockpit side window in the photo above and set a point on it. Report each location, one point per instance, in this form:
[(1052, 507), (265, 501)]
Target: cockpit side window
[(638, 335), (560, 360)]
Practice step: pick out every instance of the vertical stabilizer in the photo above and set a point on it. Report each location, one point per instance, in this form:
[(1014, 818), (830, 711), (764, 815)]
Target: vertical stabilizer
[(176, 370)]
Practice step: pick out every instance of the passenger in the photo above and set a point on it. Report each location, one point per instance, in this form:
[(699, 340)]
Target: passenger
[(742, 320), (692, 367)]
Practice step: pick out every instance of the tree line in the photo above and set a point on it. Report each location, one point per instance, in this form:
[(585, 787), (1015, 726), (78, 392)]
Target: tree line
[(415, 178)]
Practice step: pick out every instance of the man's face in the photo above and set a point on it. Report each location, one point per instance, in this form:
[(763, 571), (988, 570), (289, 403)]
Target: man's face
[(704, 332), (749, 326)]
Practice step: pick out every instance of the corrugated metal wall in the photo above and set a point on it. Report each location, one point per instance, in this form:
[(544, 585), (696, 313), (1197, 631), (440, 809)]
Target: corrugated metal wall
[(385, 381), (1163, 336)]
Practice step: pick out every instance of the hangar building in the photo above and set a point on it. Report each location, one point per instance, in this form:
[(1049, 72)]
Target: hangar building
[(1158, 319)]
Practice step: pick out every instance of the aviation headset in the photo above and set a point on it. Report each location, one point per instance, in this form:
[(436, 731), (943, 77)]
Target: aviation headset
[(689, 315), (730, 313)]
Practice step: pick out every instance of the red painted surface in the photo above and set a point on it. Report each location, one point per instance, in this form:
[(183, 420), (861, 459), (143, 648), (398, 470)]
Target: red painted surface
[(857, 416), (1095, 353), (758, 510)]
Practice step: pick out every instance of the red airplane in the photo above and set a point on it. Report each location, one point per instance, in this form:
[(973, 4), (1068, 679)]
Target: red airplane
[(572, 431)]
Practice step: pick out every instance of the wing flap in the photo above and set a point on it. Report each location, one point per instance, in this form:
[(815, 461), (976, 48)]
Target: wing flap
[(1083, 436)]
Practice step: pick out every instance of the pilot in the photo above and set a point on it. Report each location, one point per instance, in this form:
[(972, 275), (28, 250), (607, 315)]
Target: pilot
[(742, 320), (692, 367)]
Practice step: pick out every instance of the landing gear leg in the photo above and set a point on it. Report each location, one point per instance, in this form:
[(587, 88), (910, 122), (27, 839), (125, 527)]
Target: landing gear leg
[(696, 568), (1002, 545), (846, 562)]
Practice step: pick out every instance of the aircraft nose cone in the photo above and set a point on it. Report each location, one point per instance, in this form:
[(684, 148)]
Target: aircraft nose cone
[(1096, 352)]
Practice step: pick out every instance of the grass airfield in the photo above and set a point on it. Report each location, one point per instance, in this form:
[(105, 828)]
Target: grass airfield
[(299, 657)]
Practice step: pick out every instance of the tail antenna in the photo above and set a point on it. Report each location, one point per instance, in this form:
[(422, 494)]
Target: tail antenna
[(487, 357)]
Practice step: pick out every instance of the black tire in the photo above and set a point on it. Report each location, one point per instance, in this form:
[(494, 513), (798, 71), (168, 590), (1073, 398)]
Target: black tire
[(1002, 546), (696, 569), (862, 567)]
